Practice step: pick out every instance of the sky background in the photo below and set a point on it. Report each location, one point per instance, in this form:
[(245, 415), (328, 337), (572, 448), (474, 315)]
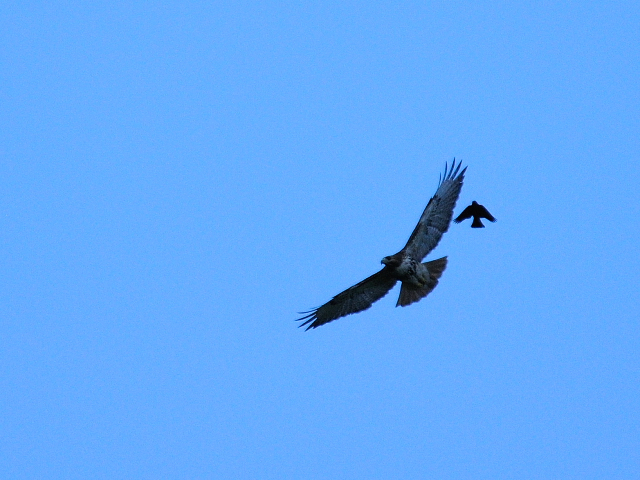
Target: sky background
[(179, 179)]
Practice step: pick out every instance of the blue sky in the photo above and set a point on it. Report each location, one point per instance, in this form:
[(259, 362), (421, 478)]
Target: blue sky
[(180, 179)]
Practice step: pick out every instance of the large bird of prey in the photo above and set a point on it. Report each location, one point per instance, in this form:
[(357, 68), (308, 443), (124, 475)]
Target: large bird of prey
[(476, 211), (418, 279)]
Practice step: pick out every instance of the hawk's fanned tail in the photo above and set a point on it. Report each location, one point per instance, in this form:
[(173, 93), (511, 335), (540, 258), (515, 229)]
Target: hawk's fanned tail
[(409, 294)]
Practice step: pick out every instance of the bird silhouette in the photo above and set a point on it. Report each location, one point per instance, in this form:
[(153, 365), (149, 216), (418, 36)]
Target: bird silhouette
[(476, 211)]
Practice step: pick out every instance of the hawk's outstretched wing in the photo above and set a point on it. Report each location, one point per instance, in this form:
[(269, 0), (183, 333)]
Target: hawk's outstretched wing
[(352, 300), (437, 215)]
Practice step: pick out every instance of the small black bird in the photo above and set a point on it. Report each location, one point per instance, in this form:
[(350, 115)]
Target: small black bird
[(476, 211)]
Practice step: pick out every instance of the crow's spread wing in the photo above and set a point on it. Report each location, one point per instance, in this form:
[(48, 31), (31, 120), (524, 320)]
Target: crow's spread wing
[(466, 213), (437, 215), (484, 213), (352, 300)]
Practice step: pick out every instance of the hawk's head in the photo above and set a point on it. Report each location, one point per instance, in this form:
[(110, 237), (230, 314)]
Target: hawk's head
[(392, 261)]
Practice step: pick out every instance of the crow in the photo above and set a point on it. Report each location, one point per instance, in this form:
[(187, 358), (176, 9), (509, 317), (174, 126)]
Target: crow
[(476, 211)]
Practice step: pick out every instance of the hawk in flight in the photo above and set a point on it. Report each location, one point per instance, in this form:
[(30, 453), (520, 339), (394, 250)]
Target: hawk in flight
[(418, 279), (476, 211)]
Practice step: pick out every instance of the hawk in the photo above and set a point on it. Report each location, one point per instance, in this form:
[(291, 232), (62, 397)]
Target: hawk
[(418, 279), (476, 211)]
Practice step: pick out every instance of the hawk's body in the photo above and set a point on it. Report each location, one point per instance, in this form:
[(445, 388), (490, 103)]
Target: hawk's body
[(418, 279)]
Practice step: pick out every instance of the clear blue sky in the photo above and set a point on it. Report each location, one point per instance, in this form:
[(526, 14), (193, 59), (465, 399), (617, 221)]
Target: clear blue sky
[(180, 179)]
